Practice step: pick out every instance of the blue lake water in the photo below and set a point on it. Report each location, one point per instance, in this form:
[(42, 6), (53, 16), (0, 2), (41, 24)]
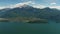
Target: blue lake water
[(26, 28)]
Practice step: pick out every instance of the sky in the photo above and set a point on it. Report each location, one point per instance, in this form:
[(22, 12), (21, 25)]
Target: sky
[(34, 3)]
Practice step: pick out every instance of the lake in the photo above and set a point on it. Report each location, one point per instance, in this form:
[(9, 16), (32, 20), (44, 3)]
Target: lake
[(27, 28)]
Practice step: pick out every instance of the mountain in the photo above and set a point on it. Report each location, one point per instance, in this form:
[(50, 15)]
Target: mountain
[(31, 12), (24, 11)]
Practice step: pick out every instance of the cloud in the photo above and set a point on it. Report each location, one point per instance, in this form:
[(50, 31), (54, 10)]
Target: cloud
[(33, 4), (20, 4), (16, 5), (53, 3), (57, 7), (2, 8), (39, 6)]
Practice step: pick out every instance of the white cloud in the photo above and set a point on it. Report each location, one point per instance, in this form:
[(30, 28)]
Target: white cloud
[(53, 3), (33, 4), (24, 3), (2, 7), (20, 4), (16, 5), (57, 7), (39, 6), (30, 3)]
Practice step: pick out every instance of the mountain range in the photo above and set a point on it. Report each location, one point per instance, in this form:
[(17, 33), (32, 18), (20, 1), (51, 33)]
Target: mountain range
[(31, 12)]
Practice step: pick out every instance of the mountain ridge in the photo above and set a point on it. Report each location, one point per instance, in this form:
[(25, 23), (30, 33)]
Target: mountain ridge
[(29, 11)]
